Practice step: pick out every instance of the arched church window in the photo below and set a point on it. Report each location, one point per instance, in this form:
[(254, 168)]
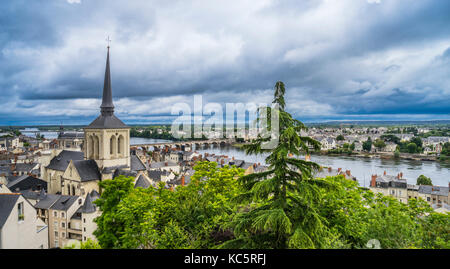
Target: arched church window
[(119, 145)]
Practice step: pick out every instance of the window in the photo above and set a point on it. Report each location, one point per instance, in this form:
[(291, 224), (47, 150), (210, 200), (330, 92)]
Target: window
[(56, 244), (84, 220), (63, 235), (63, 224), (55, 214), (55, 225), (56, 234), (20, 211), (84, 229), (62, 215), (428, 199)]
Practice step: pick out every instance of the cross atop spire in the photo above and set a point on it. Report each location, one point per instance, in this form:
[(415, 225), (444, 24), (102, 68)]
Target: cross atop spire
[(107, 107), (109, 41)]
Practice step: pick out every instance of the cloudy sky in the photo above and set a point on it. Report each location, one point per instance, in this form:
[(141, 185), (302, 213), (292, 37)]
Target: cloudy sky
[(340, 60)]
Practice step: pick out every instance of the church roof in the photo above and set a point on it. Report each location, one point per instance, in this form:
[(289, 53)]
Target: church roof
[(107, 120), (88, 170), (61, 161)]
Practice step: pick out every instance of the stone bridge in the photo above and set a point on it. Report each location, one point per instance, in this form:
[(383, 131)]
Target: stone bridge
[(179, 144)]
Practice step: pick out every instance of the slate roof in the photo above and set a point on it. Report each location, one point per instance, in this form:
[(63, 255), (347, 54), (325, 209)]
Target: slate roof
[(136, 164), (70, 135), (48, 201), (155, 165), (7, 202), (89, 206), (64, 202), (107, 119), (88, 170), (112, 169), (26, 182), (123, 172), (25, 167), (63, 159), (30, 195), (434, 190), (142, 182), (156, 175), (107, 122)]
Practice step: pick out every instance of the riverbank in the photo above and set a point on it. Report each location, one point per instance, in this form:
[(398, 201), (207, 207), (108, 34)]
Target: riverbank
[(375, 155)]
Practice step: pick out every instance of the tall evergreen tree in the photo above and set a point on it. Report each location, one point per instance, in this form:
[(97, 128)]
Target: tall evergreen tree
[(282, 201)]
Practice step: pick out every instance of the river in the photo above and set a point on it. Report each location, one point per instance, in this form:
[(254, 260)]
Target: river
[(361, 168)]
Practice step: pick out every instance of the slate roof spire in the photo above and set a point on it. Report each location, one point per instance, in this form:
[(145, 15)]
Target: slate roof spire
[(107, 119), (107, 107)]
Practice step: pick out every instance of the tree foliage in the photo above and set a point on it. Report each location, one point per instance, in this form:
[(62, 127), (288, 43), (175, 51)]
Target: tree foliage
[(281, 202), (423, 180)]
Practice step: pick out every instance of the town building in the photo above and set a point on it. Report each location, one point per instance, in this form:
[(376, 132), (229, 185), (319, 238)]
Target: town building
[(20, 228)]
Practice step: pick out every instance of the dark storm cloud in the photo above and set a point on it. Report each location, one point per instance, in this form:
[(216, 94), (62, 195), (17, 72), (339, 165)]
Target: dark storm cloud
[(336, 57)]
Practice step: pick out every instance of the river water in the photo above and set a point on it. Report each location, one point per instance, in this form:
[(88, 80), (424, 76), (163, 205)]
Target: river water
[(361, 168)]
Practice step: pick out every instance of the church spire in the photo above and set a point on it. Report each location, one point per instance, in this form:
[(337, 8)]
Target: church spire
[(107, 107)]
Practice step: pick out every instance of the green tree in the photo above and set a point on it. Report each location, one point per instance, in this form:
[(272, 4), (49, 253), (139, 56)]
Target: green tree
[(281, 210), (190, 216), (412, 148), (110, 224), (367, 146), (352, 146), (416, 140), (423, 180), (340, 138), (436, 231), (379, 144)]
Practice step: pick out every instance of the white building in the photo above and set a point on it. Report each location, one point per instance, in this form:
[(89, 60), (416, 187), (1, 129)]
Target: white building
[(20, 228)]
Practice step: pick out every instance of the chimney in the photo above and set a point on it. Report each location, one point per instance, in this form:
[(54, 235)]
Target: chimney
[(254, 165), (373, 182), (259, 164), (339, 170), (401, 175), (182, 180), (290, 154), (329, 169), (348, 173), (384, 172), (307, 157), (232, 158), (222, 161), (166, 164)]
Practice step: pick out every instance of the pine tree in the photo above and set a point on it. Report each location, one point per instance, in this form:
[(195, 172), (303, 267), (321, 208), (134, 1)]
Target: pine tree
[(283, 199)]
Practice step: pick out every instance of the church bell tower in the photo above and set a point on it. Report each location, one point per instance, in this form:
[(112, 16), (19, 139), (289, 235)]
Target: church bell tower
[(107, 138)]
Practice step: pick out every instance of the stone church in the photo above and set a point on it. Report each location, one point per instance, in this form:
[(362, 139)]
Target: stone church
[(106, 153)]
